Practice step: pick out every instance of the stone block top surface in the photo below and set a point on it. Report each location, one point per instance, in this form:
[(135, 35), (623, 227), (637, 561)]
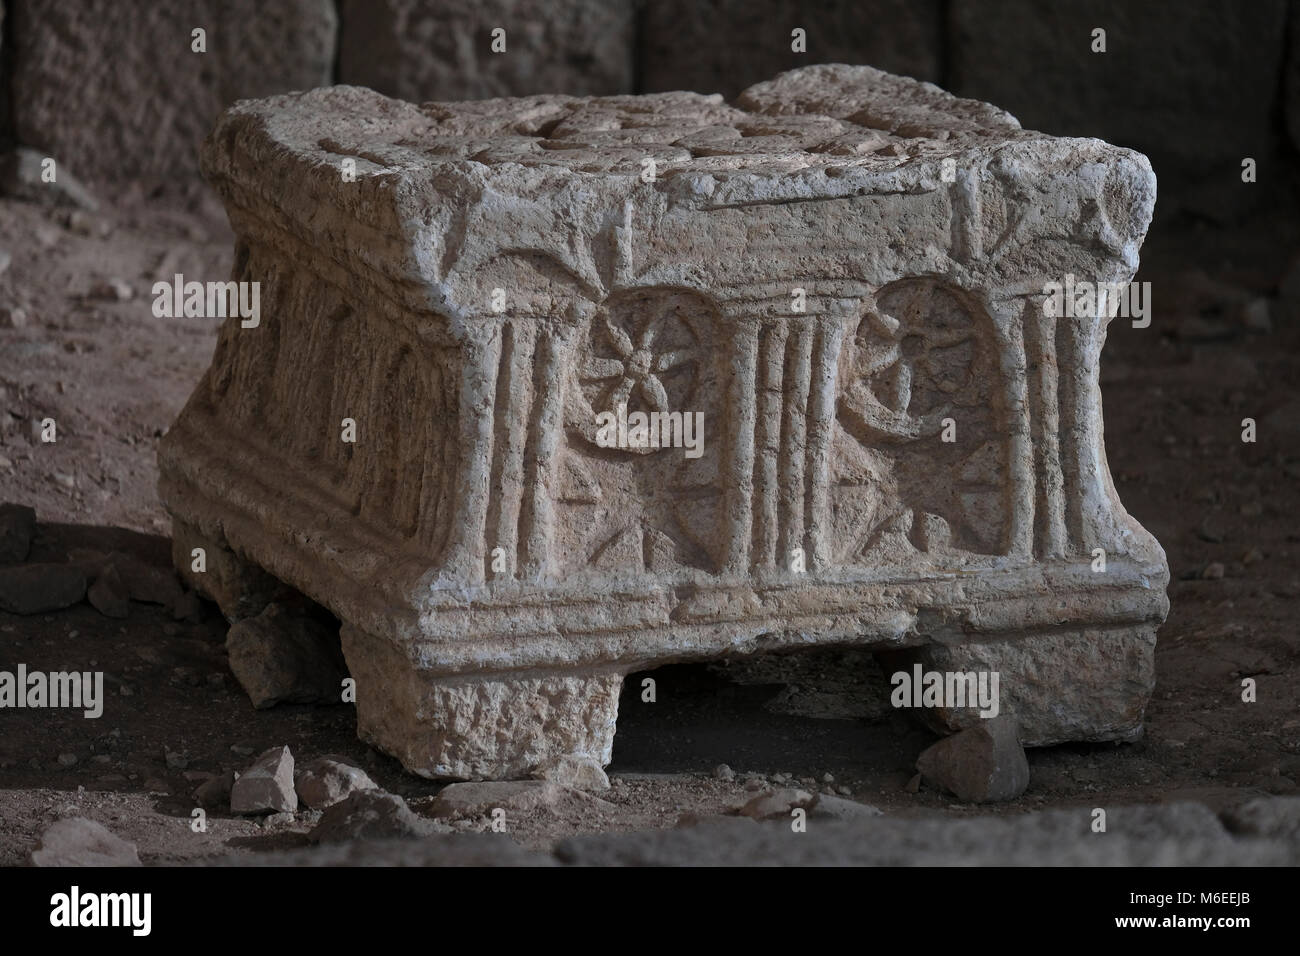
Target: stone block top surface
[(828, 117), (676, 189)]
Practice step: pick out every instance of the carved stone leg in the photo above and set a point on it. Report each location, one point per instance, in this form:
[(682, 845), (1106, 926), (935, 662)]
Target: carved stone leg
[(1071, 685), (494, 727)]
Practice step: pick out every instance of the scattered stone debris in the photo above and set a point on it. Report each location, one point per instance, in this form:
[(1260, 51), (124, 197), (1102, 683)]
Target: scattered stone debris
[(830, 807), (574, 770), (776, 803), (113, 290), (38, 588), (267, 785), (215, 792), (372, 815), (982, 764), (325, 781), (1275, 818), (480, 798), (76, 841), (109, 594)]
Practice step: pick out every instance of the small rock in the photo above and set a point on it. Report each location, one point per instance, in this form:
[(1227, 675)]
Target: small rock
[(723, 772), (1273, 818), (776, 803), (216, 792), (76, 841), (114, 290), (1213, 571), (372, 815), (914, 785), (827, 807), (148, 583), (109, 594), (5, 260), (325, 781), (241, 750), (37, 588), (828, 778), (267, 785), (17, 528), (573, 770), (1254, 315), (174, 760), (282, 656), (12, 317), (21, 178), (480, 798), (982, 764), (188, 607), (276, 820), (67, 760)]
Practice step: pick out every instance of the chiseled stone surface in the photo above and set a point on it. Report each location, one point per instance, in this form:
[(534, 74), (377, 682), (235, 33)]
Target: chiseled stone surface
[(1064, 685), (142, 99), (840, 276), (443, 49)]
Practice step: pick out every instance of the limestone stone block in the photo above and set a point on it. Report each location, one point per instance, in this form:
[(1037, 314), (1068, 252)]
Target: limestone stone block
[(471, 312), (448, 49), (117, 91)]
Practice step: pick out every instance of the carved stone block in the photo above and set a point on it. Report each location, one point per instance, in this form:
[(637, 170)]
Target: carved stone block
[(843, 274)]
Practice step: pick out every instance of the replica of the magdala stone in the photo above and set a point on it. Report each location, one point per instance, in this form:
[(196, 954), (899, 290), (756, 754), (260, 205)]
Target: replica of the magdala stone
[(844, 271)]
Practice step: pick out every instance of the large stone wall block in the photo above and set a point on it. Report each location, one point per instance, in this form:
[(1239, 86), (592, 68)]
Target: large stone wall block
[(829, 302), (451, 49), (723, 46), (1193, 83), (119, 91)]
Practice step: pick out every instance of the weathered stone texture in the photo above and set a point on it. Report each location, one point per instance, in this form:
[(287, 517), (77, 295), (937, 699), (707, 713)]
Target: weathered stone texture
[(442, 49), (76, 841), (114, 92), (1190, 82), (727, 45), (4, 84), (1062, 685), (829, 271), (1292, 81), (984, 763)]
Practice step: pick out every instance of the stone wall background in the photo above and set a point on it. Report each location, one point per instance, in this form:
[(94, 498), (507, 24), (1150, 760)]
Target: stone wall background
[(112, 90)]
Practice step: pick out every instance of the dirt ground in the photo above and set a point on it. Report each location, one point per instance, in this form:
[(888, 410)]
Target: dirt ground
[(113, 377)]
